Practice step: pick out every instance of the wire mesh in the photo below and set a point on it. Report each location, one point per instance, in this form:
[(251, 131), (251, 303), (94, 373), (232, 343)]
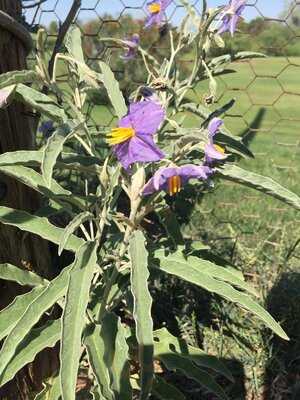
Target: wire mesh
[(266, 90)]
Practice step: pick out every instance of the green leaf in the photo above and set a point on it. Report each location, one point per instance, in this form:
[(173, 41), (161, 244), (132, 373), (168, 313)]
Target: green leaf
[(30, 158), (53, 148), (108, 354), (14, 77), (187, 271), (51, 390), (142, 310), (167, 343), (12, 273), (73, 43), (48, 296), (97, 352), (40, 102), (175, 362), (73, 320), (71, 228), (260, 183), (218, 272), (165, 391), (114, 93), (33, 179), (31, 345), (241, 55), (38, 225), (10, 315)]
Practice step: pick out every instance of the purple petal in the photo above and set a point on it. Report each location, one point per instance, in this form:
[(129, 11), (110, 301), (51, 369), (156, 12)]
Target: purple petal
[(233, 23), (195, 171), (145, 116), (154, 19), (214, 126), (140, 148), (211, 153), (165, 4)]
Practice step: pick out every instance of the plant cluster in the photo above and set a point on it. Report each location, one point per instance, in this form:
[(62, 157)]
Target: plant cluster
[(123, 229)]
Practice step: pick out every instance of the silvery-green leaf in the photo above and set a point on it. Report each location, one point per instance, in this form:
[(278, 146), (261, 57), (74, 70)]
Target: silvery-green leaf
[(40, 102), (113, 90), (48, 296), (74, 316), (261, 183), (51, 391), (14, 77), (23, 277), (187, 271), (142, 310), (37, 340), (37, 225)]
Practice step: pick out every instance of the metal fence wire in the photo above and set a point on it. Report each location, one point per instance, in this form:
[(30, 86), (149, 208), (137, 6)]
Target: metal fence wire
[(266, 113)]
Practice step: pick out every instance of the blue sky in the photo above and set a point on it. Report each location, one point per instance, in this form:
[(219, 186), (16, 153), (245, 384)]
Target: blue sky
[(57, 9)]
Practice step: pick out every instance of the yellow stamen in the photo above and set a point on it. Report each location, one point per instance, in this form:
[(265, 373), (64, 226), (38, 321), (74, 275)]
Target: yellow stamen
[(120, 135), (154, 8), (219, 148), (174, 185)]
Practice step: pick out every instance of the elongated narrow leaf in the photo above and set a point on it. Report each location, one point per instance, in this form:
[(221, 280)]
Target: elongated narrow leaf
[(260, 183), (165, 391), (175, 362), (29, 158), (14, 77), (167, 343), (49, 296), (188, 272), (51, 390), (211, 269), (37, 225), (142, 310), (108, 354), (73, 43), (40, 102), (34, 180), (114, 93), (10, 315), (71, 228), (73, 320), (37, 340), (12, 273), (120, 368), (97, 352), (53, 148)]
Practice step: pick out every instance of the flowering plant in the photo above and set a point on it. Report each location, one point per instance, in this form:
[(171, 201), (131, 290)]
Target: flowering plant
[(126, 177)]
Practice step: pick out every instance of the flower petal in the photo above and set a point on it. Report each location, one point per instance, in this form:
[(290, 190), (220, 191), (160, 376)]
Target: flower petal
[(194, 171), (138, 149), (214, 126), (212, 154), (146, 116)]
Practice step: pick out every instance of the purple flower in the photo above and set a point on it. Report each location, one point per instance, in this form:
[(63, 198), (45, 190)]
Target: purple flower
[(213, 151), (133, 140), (47, 128), (171, 179), (231, 15), (131, 46), (156, 10)]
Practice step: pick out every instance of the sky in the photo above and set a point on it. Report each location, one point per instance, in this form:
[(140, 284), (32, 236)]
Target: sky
[(58, 9)]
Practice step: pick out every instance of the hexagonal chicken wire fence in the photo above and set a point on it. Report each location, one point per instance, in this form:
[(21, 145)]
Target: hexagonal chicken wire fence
[(267, 93)]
